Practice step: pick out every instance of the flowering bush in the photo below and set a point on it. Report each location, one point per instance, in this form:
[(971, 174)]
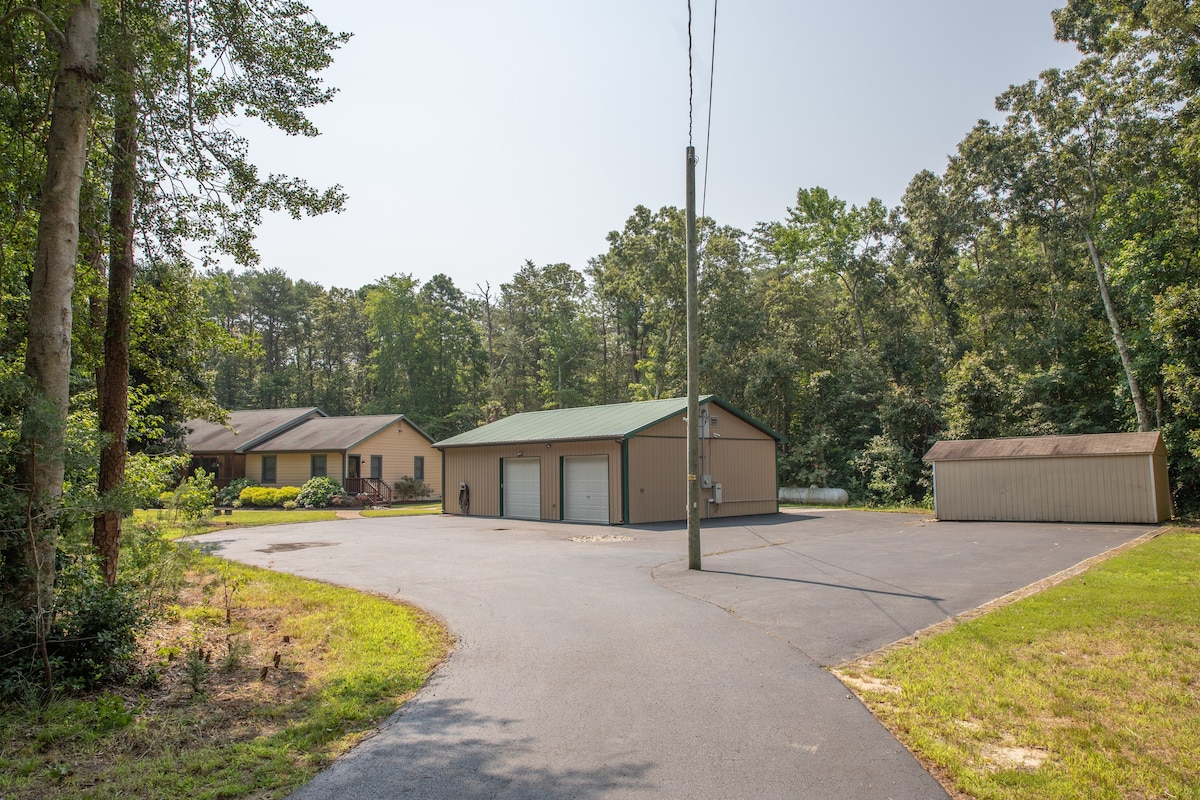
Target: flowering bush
[(318, 492)]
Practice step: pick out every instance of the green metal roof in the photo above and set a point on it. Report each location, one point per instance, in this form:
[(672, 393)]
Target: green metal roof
[(619, 421)]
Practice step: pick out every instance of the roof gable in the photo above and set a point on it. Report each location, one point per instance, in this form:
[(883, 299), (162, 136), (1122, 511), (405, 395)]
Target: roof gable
[(245, 428), (1088, 444), (617, 421)]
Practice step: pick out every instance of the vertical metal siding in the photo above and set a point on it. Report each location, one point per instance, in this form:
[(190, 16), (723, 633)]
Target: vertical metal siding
[(657, 479), (479, 467), (745, 469), (1164, 507), (740, 457), (1068, 489)]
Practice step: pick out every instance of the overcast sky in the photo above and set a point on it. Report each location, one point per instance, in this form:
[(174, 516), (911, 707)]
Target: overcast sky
[(472, 136)]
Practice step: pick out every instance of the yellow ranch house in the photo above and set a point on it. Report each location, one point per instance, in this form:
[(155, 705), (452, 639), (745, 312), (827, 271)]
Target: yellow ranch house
[(287, 446)]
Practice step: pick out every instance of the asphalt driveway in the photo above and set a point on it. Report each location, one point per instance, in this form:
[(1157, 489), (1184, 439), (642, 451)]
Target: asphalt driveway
[(591, 663)]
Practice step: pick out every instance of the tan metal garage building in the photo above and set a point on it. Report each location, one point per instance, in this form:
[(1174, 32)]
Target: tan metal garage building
[(1108, 477), (612, 464)]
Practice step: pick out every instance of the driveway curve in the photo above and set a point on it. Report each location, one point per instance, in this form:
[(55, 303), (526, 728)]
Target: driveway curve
[(590, 663)]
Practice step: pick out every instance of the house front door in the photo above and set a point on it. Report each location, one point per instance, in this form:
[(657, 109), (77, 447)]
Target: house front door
[(354, 467)]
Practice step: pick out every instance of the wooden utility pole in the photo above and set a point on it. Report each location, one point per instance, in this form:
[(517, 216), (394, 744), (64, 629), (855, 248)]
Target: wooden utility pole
[(693, 373)]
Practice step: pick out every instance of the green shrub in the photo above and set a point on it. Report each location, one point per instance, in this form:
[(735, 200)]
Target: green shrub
[(267, 496), (92, 641), (234, 490), (259, 496), (289, 505), (408, 488), (194, 496), (147, 476), (318, 492)]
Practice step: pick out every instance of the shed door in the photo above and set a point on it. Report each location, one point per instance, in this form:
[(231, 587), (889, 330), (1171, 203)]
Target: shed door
[(585, 488), (522, 489)]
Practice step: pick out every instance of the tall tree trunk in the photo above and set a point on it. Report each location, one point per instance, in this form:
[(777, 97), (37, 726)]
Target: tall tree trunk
[(113, 389), (1135, 389), (48, 353)]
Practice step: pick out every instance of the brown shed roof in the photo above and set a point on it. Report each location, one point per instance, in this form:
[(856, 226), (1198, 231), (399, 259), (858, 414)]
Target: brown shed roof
[(1089, 444), (331, 433), (245, 428)]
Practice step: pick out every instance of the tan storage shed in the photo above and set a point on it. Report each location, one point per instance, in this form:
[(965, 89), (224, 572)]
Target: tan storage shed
[(613, 464), (1107, 477)]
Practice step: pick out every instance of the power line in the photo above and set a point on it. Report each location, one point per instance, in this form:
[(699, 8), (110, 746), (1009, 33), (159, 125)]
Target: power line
[(691, 88), (712, 69)]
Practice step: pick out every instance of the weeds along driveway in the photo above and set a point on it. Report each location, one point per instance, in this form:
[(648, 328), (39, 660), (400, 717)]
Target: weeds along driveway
[(606, 669)]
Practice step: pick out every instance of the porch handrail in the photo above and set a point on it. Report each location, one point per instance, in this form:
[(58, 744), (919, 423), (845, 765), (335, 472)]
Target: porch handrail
[(377, 489)]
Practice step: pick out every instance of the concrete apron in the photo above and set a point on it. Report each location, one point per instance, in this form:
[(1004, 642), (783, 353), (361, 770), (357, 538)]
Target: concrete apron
[(608, 670)]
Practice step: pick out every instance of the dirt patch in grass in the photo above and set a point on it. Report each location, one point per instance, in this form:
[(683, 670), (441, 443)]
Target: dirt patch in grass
[(247, 686), (1087, 688)]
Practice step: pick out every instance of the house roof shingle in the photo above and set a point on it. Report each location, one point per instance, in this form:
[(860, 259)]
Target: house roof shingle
[(1089, 444), (331, 433), (245, 428), (617, 421)]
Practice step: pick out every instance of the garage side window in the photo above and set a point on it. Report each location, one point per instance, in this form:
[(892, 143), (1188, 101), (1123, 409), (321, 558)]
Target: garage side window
[(419, 468), (318, 465), (268, 469)]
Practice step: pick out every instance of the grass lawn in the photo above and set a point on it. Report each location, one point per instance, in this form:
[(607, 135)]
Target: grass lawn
[(249, 518), (413, 510), (1090, 689), (250, 707), (240, 518)]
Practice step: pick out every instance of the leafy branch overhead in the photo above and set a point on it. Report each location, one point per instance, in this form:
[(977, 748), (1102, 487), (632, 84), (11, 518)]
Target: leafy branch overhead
[(203, 65)]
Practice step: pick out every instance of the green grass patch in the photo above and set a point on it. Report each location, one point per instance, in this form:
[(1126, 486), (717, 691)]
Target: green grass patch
[(174, 527), (1087, 690), (255, 707), (416, 509)]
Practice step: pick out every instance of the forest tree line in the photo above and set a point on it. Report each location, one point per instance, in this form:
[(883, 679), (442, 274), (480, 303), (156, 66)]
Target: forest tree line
[(1044, 283)]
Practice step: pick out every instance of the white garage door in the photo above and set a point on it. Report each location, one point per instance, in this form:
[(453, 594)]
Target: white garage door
[(523, 488), (585, 488)]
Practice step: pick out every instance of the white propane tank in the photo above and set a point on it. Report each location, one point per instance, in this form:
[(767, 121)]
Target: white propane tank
[(814, 495)]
